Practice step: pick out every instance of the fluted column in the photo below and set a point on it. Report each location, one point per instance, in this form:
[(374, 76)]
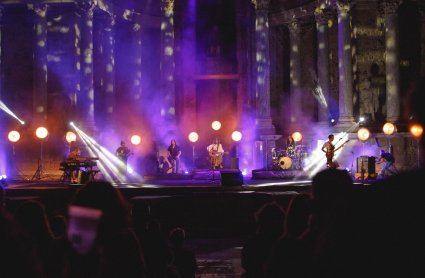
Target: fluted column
[(136, 44), (322, 19), (295, 70), (168, 107), (39, 94), (85, 98), (263, 120), (1, 15), (422, 13), (392, 60), (345, 64), (108, 83)]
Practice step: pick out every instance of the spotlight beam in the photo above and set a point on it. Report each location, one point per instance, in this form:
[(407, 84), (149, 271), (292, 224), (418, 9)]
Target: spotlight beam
[(8, 111)]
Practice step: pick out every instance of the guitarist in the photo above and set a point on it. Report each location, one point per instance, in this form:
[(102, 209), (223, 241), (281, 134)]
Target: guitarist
[(330, 150), (122, 153), (174, 156), (216, 152), (389, 160)]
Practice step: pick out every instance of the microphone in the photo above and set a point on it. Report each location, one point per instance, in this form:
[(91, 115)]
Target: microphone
[(352, 152)]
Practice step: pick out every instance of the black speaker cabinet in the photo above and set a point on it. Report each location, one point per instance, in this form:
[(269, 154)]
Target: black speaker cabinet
[(368, 164), (231, 178)]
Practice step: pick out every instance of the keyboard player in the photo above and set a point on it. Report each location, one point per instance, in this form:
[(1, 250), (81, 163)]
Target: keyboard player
[(72, 157)]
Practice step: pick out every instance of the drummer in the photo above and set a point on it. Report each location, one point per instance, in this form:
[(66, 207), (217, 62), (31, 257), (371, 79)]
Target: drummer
[(291, 146)]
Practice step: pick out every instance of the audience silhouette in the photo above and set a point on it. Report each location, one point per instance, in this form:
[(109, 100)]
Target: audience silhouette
[(184, 260)]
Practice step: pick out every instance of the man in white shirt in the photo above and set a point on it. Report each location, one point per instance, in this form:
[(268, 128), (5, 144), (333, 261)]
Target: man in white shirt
[(216, 151)]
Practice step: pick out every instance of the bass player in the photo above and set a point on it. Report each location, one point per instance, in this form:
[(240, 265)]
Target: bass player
[(330, 150)]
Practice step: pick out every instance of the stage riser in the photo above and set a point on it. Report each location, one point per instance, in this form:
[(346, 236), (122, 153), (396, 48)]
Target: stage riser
[(284, 175), (167, 177)]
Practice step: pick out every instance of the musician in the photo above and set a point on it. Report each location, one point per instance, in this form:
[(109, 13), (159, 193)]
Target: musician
[(174, 156), (329, 149), (389, 160), (291, 146), (72, 157), (122, 153), (216, 152)]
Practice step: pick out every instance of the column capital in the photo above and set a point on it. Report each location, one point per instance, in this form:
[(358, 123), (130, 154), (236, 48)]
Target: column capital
[(85, 9), (261, 4), (294, 26), (39, 9), (108, 22), (390, 6), (322, 16), (167, 5), (343, 6)]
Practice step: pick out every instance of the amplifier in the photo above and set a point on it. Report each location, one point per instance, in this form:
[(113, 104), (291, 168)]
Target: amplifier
[(368, 164)]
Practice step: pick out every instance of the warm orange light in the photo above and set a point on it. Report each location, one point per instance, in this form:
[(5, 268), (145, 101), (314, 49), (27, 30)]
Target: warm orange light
[(135, 139), (363, 134), (70, 136), (389, 129), (297, 136), (236, 136), (193, 137), (41, 132), (416, 130), (14, 136), (216, 125)]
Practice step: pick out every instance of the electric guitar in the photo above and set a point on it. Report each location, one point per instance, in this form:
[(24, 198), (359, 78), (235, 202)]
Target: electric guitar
[(211, 153), (330, 155)]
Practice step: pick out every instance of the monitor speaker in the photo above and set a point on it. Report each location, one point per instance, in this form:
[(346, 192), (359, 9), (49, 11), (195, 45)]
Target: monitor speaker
[(231, 178), (368, 164)]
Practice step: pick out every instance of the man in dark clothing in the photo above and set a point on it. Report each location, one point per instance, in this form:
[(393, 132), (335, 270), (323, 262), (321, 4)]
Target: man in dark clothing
[(123, 153), (174, 156), (184, 260), (389, 160)]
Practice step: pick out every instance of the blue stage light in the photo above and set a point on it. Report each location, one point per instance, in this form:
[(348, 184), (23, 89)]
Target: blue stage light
[(348, 170)]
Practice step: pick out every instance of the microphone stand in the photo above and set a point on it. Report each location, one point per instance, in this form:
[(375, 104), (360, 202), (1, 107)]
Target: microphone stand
[(352, 161)]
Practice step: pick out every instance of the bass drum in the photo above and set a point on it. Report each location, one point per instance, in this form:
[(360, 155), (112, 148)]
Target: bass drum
[(285, 163)]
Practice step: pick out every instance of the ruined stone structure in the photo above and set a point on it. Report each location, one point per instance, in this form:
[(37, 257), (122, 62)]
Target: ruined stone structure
[(282, 67)]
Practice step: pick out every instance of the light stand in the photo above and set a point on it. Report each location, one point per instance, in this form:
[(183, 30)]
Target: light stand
[(352, 163), (39, 173), (14, 165)]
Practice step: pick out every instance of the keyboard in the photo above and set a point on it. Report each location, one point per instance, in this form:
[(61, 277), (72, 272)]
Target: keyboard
[(76, 163), (86, 158)]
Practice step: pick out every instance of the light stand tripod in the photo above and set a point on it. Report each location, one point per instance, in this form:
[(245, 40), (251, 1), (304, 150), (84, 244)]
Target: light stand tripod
[(352, 162), (39, 173), (14, 165)]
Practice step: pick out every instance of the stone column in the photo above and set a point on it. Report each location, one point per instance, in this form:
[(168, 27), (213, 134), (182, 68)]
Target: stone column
[(1, 14), (40, 65), (168, 108), (85, 99), (108, 83), (136, 44), (422, 13), (345, 64), (322, 19), (392, 60), (295, 71), (263, 120)]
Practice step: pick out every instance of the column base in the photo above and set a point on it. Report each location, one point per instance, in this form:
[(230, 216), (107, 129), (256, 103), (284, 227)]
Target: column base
[(392, 119), (264, 126), (345, 122)]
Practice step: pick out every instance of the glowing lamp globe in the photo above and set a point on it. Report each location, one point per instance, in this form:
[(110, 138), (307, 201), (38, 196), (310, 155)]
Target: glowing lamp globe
[(297, 136), (416, 130), (135, 139), (193, 137), (236, 136), (14, 136), (70, 136), (389, 129), (216, 125), (363, 134), (41, 132)]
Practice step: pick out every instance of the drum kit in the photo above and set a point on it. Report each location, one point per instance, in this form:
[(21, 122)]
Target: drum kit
[(282, 161)]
